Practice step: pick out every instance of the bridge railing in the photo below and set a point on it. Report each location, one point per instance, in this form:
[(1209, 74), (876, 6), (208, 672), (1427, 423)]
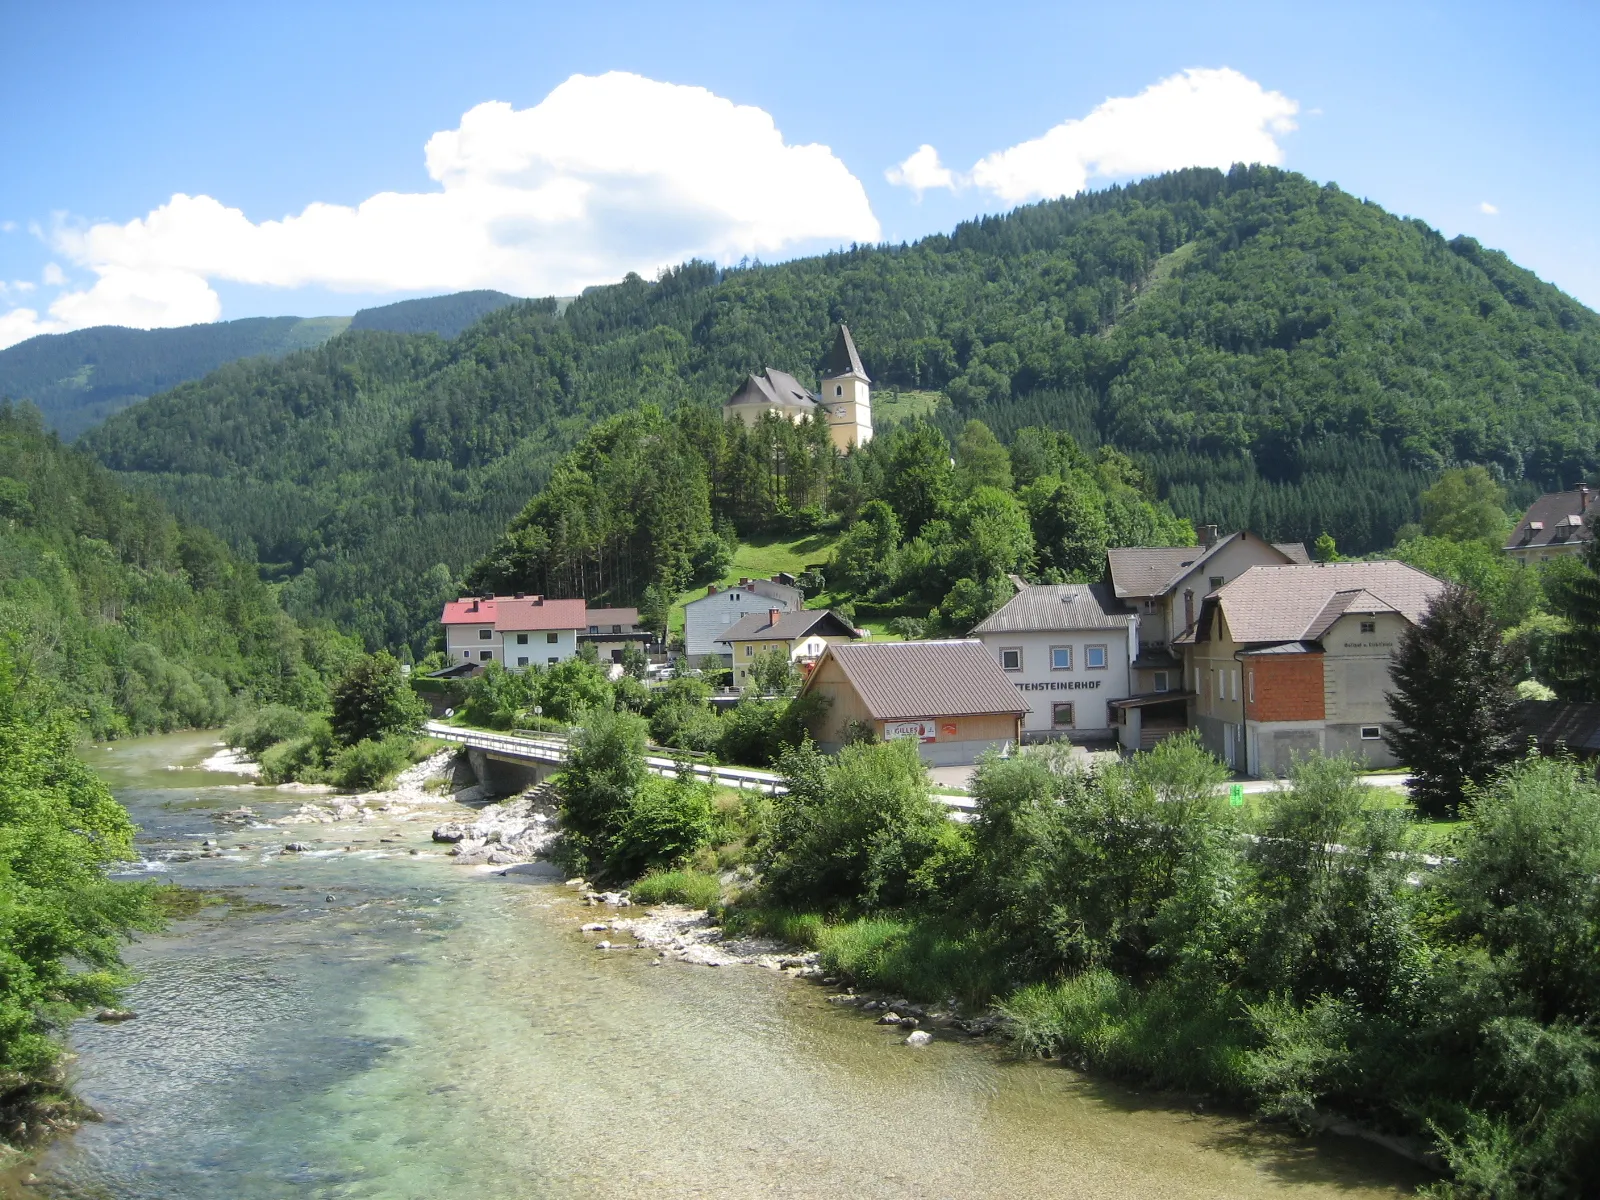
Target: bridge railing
[(554, 750)]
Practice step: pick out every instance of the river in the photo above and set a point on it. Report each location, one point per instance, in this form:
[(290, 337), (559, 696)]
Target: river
[(372, 1023)]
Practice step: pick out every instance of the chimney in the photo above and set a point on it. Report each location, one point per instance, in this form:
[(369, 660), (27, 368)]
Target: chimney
[(1208, 536), (773, 614), (711, 589), (474, 607), (517, 596)]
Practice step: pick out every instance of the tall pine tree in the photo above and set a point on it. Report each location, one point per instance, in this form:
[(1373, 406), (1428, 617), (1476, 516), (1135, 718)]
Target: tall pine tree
[(1454, 703)]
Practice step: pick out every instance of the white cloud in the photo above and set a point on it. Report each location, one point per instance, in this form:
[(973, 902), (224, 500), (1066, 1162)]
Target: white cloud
[(608, 174), (921, 171), (1212, 117), (53, 275), (1488, 209), (8, 226)]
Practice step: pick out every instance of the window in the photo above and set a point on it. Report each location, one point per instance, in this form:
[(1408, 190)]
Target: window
[(1369, 627), (1160, 680), (1250, 681), (1216, 581), (485, 655), (616, 629), (594, 629), (522, 639), (1233, 682), (1370, 733), (522, 660), (552, 660), (838, 389), (1150, 604), (1061, 716), (1222, 683), (550, 637), (466, 654), (1094, 658), (749, 651), (485, 634), (1011, 660), (1061, 658)]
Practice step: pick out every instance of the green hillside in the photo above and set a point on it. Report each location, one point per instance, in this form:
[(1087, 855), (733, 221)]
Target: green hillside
[(129, 618), (1277, 354), (78, 379), (445, 315)]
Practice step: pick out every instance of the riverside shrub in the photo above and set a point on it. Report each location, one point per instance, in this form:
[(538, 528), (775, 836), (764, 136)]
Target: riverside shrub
[(61, 919)]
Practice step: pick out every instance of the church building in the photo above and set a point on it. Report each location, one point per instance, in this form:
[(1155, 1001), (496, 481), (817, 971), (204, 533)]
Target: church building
[(844, 403)]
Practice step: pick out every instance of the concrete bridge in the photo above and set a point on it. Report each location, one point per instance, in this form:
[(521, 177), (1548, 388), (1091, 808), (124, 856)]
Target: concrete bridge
[(508, 762)]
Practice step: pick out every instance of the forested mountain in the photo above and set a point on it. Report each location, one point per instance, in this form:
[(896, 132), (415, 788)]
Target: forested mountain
[(132, 620), (78, 379), (445, 315), (1276, 353)]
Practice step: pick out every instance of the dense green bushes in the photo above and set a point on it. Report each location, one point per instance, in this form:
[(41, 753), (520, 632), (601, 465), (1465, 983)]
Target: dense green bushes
[(1301, 957), (61, 919)]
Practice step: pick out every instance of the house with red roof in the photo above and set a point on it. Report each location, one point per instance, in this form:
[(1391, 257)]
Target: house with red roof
[(515, 631)]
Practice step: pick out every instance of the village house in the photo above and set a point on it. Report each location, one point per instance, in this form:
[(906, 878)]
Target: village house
[(950, 696), (708, 617), (1067, 649), (1165, 585), (844, 402), (610, 630), (1556, 523), (801, 635), (1289, 660), (514, 631)]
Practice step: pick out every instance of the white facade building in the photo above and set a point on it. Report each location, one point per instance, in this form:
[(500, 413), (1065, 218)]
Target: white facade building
[(706, 619), (514, 631), (1067, 649)]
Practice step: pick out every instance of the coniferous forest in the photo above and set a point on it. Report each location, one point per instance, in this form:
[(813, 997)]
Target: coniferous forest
[(1270, 352)]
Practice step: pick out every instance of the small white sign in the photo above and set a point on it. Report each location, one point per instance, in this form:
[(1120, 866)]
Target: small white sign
[(922, 730)]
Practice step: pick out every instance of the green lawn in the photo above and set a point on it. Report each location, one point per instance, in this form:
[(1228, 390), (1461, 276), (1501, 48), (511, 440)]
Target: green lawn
[(761, 559), (896, 405)]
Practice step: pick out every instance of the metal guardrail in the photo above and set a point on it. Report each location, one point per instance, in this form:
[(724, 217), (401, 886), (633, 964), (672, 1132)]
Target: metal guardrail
[(554, 750)]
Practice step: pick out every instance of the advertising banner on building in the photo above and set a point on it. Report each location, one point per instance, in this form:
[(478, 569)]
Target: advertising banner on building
[(922, 730)]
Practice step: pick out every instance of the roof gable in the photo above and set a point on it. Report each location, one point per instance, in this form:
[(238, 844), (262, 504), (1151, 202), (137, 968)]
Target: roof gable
[(1058, 606), (903, 680), (1557, 519), (789, 627), (1300, 602)]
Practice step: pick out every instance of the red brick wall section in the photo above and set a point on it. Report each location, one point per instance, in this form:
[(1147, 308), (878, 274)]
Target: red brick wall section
[(1287, 688)]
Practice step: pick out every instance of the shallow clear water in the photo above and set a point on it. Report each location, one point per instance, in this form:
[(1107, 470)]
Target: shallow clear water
[(369, 1023)]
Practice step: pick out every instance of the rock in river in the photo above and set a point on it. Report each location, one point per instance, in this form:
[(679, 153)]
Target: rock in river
[(920, 1038)]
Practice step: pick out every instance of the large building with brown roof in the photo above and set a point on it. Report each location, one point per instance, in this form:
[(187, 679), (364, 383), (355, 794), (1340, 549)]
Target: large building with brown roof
[(1294, 659), (951, 696), (1165, 585), (802, 635), (515, 631), (1555, 524)]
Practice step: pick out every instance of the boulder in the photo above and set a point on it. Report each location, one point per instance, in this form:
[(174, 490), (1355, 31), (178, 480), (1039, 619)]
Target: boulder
[(920, 1038), (593, 927), (113, 1016), (295, 847), (889, 1018), (449, 833)]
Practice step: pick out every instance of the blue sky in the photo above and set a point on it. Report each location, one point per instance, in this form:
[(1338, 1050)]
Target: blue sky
[(255, 112)]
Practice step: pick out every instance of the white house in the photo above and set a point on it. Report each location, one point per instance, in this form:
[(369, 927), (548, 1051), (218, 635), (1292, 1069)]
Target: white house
[(706, 619), (514, 631), (1067, 648)]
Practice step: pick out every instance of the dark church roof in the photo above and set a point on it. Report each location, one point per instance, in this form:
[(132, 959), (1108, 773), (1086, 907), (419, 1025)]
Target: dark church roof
[(843, 359), (773, 388)]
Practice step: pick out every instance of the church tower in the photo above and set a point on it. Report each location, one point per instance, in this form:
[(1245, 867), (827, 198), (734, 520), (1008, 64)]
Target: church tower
[(846, 394)]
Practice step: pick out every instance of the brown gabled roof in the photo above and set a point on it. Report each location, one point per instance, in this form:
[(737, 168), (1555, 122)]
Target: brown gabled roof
[(1052, 606), (790, 626), (1154, 570), (1562, 518), (898, 681), (1573, 725), (1300, 602), (843, 359), (535, 612), (626, 617)]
